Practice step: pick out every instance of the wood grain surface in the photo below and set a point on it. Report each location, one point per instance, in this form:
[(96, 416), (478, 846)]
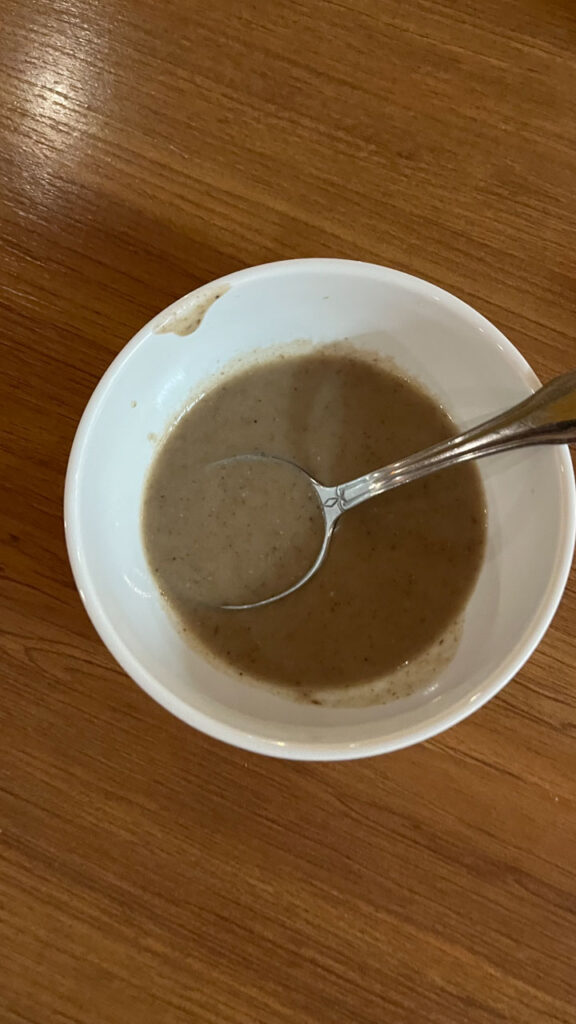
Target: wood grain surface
[(149, 875)]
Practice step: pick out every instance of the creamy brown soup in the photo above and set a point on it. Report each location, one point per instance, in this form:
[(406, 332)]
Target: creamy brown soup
[(400, 568)]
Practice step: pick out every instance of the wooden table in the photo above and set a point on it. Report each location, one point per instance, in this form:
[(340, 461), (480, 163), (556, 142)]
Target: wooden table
[(149, 875)]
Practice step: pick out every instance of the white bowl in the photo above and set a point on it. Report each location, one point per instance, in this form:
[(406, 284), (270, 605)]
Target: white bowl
[(456, 354)]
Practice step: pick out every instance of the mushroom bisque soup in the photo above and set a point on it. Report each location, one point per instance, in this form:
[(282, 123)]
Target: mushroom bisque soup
[(382, 617)]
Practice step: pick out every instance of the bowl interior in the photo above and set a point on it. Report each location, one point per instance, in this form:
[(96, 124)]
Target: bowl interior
[(456, 354)]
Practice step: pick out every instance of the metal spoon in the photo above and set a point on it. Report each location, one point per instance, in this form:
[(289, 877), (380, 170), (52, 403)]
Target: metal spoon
[(546, 417)]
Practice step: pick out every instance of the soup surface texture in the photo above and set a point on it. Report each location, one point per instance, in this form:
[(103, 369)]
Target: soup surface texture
[(382, 615)]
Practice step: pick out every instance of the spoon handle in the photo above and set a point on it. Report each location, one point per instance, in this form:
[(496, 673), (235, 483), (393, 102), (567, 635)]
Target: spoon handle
[(546, 417)]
